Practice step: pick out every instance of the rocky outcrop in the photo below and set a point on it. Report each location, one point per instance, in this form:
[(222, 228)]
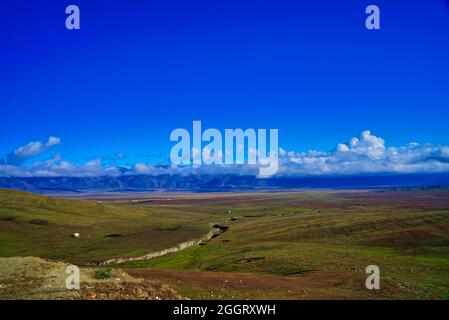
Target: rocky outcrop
[(32, 278)]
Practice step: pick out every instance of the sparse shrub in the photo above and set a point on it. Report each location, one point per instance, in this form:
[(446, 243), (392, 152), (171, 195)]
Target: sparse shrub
[(41, 222), (113, 235), (8, 218), (103, 274)]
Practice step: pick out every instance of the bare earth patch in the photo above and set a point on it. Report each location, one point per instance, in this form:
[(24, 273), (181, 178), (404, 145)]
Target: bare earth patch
[(37, 279), (307, 286)]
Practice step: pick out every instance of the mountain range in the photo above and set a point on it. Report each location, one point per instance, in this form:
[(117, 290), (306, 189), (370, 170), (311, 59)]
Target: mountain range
[(225, 182)]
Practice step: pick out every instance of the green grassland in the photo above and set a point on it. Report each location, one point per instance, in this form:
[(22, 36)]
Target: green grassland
[(293, 234), (32, 225), (286, 234)]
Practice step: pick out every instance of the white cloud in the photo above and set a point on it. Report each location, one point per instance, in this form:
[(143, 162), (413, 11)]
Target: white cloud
[(366, 154), (52, 141), (59, 168), (141, 168), (30, 150), (341, 147)]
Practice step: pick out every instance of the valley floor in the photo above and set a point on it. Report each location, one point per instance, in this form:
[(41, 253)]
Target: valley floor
[(283, 245)]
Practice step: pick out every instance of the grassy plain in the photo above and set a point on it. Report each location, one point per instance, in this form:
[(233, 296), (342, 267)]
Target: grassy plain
[(32, 225), (285, 245)]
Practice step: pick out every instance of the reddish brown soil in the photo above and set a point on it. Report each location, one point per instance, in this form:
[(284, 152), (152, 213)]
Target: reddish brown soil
[(144, 290), (410, 199), (309, 285)]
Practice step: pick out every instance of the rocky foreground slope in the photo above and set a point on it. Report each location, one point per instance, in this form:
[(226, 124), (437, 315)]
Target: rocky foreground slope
[(35, 278)]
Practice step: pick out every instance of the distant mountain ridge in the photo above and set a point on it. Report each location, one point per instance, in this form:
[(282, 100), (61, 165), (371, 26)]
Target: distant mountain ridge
[(224, 182)]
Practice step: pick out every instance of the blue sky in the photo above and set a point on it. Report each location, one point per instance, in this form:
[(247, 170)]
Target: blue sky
[(139, 69)]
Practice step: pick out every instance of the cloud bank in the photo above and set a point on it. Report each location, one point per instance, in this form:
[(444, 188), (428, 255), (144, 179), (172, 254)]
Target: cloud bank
[(366, 154)]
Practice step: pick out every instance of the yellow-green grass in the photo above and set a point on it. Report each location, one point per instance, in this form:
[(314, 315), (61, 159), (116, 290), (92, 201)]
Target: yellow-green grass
[(287, 234), (32, 225), (410, 245)]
